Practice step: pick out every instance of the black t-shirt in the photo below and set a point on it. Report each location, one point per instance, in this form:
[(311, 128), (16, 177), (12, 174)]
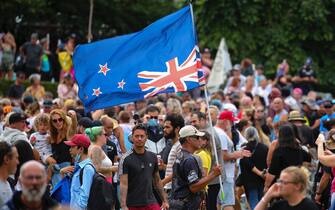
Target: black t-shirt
[(306, 135), (16, 202), (61, 152), (166, 151), (284, 157), (306, 86), (305, 204), (110, 150), (140, 169), (249, 179), (186, 171), (15, 91)]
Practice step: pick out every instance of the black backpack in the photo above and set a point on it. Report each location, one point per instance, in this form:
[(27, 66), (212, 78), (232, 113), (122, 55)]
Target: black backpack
[(101, 192)]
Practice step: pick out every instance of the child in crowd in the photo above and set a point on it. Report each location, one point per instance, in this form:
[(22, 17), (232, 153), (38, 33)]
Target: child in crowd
[(40, 139)]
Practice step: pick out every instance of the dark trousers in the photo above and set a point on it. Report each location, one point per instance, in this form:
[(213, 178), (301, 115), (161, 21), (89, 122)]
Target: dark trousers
[(213, 191)]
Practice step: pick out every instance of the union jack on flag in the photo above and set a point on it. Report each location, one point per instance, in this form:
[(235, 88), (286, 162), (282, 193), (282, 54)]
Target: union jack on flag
[(174, 77)]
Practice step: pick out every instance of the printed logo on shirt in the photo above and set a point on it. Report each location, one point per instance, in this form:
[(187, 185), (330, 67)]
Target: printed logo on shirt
[(192, 176)]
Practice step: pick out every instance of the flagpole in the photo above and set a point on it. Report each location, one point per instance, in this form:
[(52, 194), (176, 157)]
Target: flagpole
[(213, 140), (89, 34)]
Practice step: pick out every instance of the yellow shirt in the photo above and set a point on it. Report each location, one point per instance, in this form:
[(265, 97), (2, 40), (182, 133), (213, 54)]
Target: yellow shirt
[(206, 159)]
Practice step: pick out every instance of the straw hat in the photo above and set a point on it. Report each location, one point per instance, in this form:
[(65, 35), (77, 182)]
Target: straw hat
[(330, 144), (295, 116)]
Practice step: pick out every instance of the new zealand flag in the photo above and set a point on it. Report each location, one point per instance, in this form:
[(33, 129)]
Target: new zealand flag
[(161, 58)]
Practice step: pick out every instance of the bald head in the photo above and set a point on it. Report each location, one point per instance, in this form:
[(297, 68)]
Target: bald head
[(32, 165)]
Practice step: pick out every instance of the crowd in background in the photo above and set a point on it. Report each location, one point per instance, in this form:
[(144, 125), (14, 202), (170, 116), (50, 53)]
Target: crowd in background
[(262, 128)]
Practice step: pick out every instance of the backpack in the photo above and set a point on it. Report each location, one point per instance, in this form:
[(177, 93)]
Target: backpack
[(62, 191), (101, 192)]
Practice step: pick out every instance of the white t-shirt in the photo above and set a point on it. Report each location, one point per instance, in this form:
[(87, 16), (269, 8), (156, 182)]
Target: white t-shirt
[(41, 144), (227, 145), (5, 193)]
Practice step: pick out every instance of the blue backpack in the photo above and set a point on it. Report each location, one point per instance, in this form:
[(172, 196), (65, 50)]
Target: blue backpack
[(61, 192)]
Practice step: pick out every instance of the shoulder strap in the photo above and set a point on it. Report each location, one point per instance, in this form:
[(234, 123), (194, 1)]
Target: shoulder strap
[(82, 172)]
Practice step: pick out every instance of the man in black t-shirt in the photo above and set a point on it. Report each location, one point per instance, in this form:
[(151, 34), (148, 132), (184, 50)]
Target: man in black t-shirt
[(16, 90), (306, 77), (138, 172), (187, 180)]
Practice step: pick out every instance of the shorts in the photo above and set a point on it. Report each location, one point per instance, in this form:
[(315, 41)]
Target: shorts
[(229, 194)]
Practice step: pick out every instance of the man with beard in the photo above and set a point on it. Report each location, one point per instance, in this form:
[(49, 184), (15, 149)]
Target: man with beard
[(172, 124), (33, 179)]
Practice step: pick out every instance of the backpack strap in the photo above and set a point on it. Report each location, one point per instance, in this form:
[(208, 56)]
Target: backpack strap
[(82, 172)]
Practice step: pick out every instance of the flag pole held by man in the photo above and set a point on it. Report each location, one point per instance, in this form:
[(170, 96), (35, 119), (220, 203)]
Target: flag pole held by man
[(161, 58)]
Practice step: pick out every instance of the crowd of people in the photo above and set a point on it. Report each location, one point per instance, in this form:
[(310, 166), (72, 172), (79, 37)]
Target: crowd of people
[(269, 141)]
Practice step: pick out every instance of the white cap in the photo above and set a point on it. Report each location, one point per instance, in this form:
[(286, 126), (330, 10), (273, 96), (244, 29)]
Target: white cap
[(189, 130)]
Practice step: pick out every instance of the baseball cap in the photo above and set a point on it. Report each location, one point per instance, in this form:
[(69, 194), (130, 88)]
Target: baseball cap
[(80, 140), (16, 117), (189, 130), (227, 115), (47, 103), (85, 122)]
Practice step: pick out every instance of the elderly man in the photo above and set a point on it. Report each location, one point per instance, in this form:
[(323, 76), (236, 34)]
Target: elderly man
[(33, 179)]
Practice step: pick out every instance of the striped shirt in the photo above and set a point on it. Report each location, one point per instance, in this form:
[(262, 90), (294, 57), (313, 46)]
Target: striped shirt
[(176, 149)]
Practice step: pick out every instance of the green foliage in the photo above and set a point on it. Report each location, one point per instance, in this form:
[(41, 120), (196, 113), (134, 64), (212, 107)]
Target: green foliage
[(270, 31), (49, 86)]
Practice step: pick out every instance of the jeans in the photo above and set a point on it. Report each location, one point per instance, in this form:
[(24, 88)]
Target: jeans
[(254, 195), (332, 202), (56, 177)]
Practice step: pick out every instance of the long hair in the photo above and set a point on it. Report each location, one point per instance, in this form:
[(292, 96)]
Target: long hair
[(65, 131), (208, 137), (286, 137)]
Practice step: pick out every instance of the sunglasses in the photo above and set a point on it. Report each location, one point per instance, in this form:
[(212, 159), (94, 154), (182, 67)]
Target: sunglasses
[(152, 117), (285, 182), (57, 120)]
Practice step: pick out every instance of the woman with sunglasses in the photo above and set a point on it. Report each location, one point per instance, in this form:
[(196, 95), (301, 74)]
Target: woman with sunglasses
[(100, 160), (62, 128), (291, 187)]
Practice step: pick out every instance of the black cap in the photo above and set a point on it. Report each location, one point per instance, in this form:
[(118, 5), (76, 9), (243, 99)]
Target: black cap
[(85, 122), (28, 99), (16, 117), (47, 103)]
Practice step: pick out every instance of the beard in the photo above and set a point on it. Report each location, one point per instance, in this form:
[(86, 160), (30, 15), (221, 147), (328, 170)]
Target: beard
[(35, 194), (171, 135)]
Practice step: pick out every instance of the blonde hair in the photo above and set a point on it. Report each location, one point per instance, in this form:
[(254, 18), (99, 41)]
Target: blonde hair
[(173, 106), (66, 131), (300, 175), (41, 119)]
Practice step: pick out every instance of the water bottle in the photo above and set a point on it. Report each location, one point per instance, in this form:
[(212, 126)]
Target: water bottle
[(244, 202)]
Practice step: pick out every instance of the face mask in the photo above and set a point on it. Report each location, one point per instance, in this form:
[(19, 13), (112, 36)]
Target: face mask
[(153, 122), (77, 158)]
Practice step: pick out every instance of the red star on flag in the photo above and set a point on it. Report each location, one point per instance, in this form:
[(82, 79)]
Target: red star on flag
[(103, 69), (96, 92), (121, 84)]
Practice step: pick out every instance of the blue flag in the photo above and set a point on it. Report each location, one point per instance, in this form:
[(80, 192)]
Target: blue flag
[(161, 58)]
